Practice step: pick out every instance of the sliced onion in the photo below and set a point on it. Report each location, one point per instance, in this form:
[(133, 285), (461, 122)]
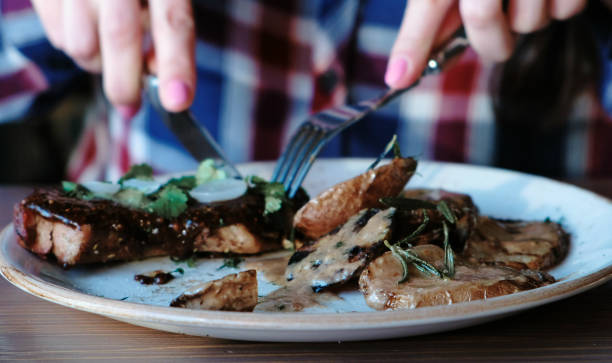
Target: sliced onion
[(145, 186), (219, 190), (99, 187)]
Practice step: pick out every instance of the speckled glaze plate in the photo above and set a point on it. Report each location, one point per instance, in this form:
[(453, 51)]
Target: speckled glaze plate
[(111, 290)]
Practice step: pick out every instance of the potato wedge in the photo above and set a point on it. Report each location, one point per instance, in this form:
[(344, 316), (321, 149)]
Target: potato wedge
[(336, 205)]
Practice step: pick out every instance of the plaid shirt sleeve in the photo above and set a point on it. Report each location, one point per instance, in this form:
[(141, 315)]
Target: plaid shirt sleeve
[(264, 65)]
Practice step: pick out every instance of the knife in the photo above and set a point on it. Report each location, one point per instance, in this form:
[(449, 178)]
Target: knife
[(192, 135)]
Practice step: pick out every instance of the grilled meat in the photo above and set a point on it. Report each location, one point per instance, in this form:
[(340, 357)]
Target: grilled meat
[(518, 244), (77, 231), (235, 292), (379, 282)]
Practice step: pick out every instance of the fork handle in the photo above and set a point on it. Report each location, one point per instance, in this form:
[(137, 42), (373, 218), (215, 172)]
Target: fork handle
[(454, 47)]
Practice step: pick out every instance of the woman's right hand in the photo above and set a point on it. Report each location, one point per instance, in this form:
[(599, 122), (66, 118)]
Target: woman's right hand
[(106, 36)]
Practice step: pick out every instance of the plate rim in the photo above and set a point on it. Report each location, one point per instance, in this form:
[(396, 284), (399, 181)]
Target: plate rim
[(291, 321)]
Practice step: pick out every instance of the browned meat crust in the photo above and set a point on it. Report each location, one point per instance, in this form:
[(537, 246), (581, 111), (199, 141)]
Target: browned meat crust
[(379, 282), (518, 244), (341, 255), (235, 292), (336, 205), (461, 205), (76, 231)]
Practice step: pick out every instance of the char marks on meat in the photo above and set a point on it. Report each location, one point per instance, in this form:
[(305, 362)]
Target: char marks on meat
[(77, 231), (379, 282)]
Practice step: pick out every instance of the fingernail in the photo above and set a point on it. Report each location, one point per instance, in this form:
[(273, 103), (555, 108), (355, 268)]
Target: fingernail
[(395, 70), (177, 93), (127, 112)]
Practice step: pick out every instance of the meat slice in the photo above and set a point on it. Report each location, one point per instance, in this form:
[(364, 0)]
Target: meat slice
[(379, 282), (461, 206), (337, 204), (76, 231), (341, 255), (518, 244), (235, 292)]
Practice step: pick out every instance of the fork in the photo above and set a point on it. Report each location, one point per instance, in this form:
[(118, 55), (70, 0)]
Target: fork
[(314, 133)]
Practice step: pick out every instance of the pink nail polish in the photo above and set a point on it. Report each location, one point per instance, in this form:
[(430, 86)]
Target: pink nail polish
[(177, 93), (127, 112), (395, 71)]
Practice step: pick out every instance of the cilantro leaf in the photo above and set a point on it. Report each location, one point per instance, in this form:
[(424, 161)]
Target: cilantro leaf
[(131, 198), (207, 171), (171, 202), (138, 171), (231, 262), (185, 183), (273, 192), (77, 190)]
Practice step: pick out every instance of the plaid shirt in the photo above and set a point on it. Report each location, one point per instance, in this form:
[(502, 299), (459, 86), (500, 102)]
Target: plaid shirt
[(263, 66)]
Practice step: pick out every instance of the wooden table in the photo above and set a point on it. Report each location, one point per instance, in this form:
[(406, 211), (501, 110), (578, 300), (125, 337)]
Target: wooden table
[(578, 328)]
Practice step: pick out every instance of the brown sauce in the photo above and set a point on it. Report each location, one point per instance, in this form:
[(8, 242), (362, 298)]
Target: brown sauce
[(157, 277), (273, 269)]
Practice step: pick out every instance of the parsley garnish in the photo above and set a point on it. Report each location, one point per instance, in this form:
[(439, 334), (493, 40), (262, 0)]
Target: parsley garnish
[(77, 190), (171, 202), (139, 171), (273, 192), (189, 261)]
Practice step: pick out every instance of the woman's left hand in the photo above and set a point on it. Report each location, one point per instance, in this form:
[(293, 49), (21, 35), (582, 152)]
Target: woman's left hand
[(428, 23)]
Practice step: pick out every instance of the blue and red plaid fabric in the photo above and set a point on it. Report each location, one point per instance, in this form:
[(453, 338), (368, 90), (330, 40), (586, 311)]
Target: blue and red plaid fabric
[(264, 65)]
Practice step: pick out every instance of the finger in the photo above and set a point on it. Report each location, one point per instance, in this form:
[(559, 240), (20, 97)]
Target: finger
[(120, 39), (564, 9), (80, 30), (526, 16), (415, 40), (487, 28), (50, 14), (174, 42)]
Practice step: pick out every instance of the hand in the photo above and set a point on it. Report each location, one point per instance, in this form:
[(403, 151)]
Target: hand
[(427, 23), (107, 36)]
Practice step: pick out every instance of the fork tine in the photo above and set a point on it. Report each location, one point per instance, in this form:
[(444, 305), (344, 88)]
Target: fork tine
[(303, 170), (314, 134), (288, 156)]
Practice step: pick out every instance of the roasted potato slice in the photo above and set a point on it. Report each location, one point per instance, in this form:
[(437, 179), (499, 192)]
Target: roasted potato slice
[(336, 205), (235, 292)]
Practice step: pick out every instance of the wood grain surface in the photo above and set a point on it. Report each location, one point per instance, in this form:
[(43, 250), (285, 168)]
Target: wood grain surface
[(31, 329)]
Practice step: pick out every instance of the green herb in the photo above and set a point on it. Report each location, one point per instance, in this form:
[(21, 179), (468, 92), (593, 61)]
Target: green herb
[(339, 244), (445, 210), (402, 203), (449, 257), (392, 145), (315, 263), (417, 231), (280, 307), (131, 197), (207, 171), (231, 262), (221, 222), (406, 256), (139, 171), (77, 190), (171, 202), (190, 261), (273, 192), (185, 183), (124, 298)]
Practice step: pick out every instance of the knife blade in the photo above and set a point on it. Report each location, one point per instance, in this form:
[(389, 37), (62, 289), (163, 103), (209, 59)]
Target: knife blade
[(192, 135)]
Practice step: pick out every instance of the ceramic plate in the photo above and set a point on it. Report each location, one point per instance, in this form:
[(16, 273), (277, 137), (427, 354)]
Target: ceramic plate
[(111, 290)]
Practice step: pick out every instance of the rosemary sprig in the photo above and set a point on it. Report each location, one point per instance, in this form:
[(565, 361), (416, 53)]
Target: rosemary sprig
[(392, 145), (416, 232), (405, 257), (445, 210), (449, 257)]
